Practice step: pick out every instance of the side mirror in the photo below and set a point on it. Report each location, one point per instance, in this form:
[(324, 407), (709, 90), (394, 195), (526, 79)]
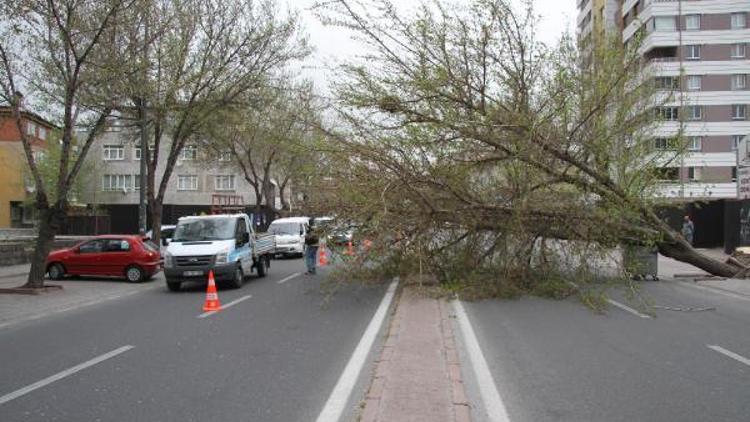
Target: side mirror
[(301, 232), (245, 238), (164, 241), (77, 250)]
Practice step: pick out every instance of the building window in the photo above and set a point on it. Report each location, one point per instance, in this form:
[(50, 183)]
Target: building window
[(739, 112), (187, 182), (694, 82), (137, 181), (739, 20), (665, 144), (189, 153), (665, 23), (667, 174), (734, 173), (42, 133), (224, 182), (30, 128), (695, 143), (137, 152), (739, 82), (694, 174), (736, 140), (738, 51), (693, 52), (668, 113), (225, 156), (115, 182), (667, 82), (692, 22), (114, 152), (695, 112)]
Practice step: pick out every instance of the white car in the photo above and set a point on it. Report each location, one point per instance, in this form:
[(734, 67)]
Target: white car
[(290, 235), (167, 232)]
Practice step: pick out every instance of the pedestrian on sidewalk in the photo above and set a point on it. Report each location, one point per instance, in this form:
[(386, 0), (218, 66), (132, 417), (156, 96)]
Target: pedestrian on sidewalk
[(688, 229), (311, 249)]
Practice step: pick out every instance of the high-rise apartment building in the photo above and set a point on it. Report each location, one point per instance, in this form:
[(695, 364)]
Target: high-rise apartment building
[(699, 49)]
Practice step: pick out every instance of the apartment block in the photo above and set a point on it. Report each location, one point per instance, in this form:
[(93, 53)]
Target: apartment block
[(113, 182), (697, 49)]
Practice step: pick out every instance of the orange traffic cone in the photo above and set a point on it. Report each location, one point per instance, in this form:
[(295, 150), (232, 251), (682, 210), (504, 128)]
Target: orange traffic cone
[(212, 298), (322, 257), (349, 249)]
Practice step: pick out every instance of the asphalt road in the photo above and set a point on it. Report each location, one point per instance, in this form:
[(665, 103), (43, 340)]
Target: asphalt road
[(274, 356), (558, 361)]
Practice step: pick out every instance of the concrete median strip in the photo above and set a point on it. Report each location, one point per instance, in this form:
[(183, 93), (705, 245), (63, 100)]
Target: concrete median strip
[(66, 373), (418, 371)]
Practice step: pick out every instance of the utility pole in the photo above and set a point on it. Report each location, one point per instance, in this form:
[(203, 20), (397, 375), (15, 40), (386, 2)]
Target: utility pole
[(143, 123)]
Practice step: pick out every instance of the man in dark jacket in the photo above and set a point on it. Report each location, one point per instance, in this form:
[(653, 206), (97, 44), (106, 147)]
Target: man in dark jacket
[(311, 249)]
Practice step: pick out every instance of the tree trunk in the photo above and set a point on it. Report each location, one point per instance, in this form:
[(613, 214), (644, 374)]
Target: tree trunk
[(155, 209), (50, 220), (682, 251)]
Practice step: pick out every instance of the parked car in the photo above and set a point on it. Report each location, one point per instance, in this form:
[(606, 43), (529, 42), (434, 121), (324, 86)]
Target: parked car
[(167, 232), (225, 244), (108, 255), (290, 235)]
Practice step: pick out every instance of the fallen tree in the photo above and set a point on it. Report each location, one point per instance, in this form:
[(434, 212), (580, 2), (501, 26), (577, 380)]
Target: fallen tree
[(460, 121)]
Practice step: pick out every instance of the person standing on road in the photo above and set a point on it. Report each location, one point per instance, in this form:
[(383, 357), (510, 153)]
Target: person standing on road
[(311, 249), (688, 229)]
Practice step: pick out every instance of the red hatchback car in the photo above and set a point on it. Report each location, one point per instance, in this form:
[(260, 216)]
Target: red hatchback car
[(111, 255)]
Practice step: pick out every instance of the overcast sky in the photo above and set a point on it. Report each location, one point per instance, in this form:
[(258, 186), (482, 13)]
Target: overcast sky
[(332, 45)]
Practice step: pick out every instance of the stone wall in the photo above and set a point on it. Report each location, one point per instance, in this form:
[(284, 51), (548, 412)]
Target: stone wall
[(20, 252)]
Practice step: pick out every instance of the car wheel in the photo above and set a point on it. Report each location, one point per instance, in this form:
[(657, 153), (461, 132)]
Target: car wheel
[(238, 278), (262, 266), (56, 271), (134, 274), (173, 286)]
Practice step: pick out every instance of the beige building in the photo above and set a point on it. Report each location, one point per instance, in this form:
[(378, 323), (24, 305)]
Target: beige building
[(699, 50)]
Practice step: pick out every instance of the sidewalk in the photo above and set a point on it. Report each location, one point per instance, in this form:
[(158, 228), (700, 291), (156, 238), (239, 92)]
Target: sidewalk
[(669, 268), (76, 293), (418, 375), (13, 271)]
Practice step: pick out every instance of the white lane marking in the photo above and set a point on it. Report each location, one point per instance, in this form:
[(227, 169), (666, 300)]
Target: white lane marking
[(717, 290), (60, 375), (628, 309), (336, 402), (285, 279), (225, 306), (493, 403), (731, 354)]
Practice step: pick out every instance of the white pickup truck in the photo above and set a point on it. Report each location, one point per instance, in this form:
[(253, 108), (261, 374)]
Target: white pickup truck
[(223, 243)]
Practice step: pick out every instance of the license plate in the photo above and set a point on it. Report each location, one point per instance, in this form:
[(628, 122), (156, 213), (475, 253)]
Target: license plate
[(192, 273)]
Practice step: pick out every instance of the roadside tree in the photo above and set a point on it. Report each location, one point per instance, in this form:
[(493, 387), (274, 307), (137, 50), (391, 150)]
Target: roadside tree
[(49, 53), (188, 61)]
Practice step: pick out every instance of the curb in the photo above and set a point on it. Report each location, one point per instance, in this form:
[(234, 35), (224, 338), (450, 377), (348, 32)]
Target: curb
[(461, 407)]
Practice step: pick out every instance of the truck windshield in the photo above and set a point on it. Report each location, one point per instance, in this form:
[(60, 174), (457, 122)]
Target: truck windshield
[(285, 228), (205, 229)]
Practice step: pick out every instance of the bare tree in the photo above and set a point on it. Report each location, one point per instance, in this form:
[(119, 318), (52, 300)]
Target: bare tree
[(461, 132), (269, 141), (204, 56), (49, 49)]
